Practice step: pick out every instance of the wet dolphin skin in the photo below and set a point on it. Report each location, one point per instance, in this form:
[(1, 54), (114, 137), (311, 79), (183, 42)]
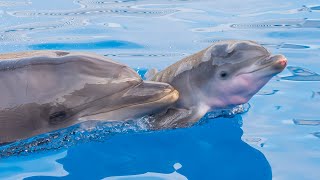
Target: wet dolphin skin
[(226, 74), (42, 91)]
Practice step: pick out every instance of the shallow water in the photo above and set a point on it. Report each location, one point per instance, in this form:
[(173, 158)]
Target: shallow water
[(278, 138)]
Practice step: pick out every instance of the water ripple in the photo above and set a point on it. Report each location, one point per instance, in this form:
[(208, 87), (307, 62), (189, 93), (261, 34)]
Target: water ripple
[(315, 8), (45, 26), (301, 74), (306, 122), (209, 40), (316, 134), (81, 133), (100, 3), (10, 3), (267, 93), (145, 55), (285, 23), (152, 175), (95, 131), (258, 141), (108, 44), (13, 37), (315, 94), (94, 12), (20, 33), (278, 46), (309, 8)]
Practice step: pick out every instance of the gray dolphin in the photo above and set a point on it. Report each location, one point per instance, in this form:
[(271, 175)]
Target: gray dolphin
[(226, 74), (42, 91)]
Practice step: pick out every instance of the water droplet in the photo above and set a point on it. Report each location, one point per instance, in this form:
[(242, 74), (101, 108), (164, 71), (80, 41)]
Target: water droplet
[(177, 166)]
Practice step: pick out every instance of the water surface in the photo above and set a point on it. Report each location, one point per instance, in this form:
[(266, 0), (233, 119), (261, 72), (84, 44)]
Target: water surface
[(277, 138)]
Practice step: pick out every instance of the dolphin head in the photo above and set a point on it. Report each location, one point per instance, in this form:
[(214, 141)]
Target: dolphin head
[(237, 70)]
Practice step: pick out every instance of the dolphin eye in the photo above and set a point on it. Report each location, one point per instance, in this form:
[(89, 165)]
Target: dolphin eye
[(223, 74), (57, 117)]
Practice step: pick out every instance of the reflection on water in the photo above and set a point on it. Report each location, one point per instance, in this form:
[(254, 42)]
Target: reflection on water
[(41, 165), (201, 149), (152, 176), (286, 23), (306, 122), (317, 134), (258, 141), (315, 94), (277, 46), (94, 131), (95, 12), (62, 139), (216, 148), (144, 55), (267, 93), (301, 74), (282, 123), (10, 3), (110, 44), (43, 26)]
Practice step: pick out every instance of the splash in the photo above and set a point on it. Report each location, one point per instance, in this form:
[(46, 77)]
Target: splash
[(81, 133), (228, 113), (95, 131)]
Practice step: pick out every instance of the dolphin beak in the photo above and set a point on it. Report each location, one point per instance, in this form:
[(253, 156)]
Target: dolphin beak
[(280, 62), (275, 64)]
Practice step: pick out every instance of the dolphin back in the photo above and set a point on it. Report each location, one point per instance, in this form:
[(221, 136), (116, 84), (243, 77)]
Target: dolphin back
[(180, 67), (43, 91)]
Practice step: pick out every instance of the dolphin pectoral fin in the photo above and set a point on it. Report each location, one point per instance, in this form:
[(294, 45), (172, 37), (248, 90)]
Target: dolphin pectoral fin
[(178, 117), (174, 118), (151, 73)]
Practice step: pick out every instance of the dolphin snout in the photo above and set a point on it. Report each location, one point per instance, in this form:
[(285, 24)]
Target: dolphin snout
[(280, 61)]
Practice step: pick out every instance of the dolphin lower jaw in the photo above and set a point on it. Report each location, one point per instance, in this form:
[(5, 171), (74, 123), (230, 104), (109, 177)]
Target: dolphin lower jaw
[(230, 102)]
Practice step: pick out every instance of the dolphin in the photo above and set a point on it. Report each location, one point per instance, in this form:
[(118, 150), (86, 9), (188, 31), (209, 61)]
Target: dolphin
[(222, 76), (43, 91)]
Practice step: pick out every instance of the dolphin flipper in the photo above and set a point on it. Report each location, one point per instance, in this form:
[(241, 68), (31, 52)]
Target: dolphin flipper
[(171, 118), (176, 117)]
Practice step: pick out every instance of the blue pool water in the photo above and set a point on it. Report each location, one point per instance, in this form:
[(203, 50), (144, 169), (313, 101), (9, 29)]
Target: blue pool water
[(278, 138)]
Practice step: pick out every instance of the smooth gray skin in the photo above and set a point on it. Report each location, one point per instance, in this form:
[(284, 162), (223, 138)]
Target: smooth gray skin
[(226, 74), (43, 91)]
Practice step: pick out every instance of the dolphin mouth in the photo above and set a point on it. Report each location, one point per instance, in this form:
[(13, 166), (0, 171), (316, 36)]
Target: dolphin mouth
[(155, 105), (171, 96), (277, 63)]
